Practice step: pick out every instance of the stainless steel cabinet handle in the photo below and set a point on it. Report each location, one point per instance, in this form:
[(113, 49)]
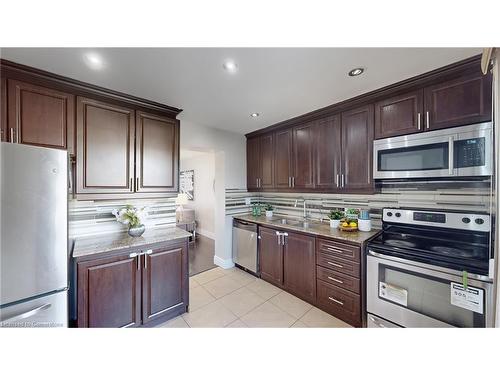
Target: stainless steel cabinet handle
[(336, 280), (343, 180), (335, 264), (333, 249), (337, 180), (279, 236), (427, 118), (450, 156), (27, 314), (289, 181), (146, 258), (336, 301), (134, 255), (131, 184), (418, 121), (11, 135)]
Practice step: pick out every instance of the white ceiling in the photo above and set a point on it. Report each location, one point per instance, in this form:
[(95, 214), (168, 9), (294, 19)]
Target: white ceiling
[(279, 83)]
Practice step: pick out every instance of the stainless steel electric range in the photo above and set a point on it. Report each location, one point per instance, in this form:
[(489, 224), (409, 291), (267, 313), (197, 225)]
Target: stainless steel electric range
[(430, 269)]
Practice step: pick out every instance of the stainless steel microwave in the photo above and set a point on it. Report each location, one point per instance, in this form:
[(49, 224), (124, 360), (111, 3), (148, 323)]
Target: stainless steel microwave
[(456, 152)]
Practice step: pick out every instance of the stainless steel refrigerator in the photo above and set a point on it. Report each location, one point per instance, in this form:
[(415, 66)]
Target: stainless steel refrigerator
[(34, 236)]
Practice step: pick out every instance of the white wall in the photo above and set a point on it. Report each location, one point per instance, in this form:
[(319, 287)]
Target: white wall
[(203, 203), (230, 173)]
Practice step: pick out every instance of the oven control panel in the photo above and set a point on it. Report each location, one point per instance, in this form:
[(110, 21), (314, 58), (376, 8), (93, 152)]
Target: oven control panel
[(455, 220)]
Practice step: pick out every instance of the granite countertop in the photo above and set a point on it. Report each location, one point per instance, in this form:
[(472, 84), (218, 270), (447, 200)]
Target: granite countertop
[(117, 241), (319, 229)]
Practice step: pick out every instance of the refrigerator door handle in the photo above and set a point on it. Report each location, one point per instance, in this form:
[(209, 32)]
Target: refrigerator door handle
[(27, 314)]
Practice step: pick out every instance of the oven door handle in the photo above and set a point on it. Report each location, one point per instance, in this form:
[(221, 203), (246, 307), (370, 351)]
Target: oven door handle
[(429, 269)]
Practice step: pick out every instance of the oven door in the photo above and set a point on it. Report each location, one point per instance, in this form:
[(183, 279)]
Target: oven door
[(411, 295), (414, 156)]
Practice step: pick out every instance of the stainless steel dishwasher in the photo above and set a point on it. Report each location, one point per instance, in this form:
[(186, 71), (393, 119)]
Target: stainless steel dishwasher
[(245, 245)]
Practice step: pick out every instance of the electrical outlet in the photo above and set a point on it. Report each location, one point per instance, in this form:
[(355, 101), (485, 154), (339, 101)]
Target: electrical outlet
[(248, 201)]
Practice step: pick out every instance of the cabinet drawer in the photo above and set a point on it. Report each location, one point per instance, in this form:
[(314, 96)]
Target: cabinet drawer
[(338, 264), (338, 279), (340, 250), (341, 303)]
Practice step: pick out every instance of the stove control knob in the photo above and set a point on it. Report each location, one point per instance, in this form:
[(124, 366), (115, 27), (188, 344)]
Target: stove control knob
[(398, 214), (479, 221), (465, 220), (389, 214)]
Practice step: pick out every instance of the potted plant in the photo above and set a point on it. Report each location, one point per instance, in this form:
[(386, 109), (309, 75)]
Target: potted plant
[(133, 217), (335, 216), (269, 210)]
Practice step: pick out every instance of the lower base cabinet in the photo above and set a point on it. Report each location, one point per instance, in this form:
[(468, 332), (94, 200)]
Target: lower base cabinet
[(142, 286)]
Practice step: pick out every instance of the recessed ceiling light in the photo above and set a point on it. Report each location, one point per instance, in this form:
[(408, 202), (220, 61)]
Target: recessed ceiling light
[(94, 61), (356, 72), (230, 66), (255, 114)]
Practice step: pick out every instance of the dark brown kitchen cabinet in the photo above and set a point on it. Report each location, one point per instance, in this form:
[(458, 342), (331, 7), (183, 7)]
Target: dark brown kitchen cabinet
[(399, 115), (303, 156), (260, 162), (139, 286), (299, 266), (109, 292), (40, 116), (253, 163), (165, 284), (461, 101), (105, 148), (357, 146), (283, 158), (157, 150), (271, 256), (328, 153)]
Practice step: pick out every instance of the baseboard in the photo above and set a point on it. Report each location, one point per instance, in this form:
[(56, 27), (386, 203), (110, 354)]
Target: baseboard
[(206, 233), (223, 263)]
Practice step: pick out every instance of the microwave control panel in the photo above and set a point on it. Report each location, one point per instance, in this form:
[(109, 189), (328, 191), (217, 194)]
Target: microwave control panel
[(469, 153)]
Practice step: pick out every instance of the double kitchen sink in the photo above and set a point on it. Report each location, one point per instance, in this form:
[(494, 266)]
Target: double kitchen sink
[(305, 224)]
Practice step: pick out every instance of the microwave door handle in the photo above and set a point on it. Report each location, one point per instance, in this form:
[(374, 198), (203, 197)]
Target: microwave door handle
[(450, 156)]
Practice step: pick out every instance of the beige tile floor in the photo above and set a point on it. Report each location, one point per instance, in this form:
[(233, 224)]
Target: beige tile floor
[(235, 299)]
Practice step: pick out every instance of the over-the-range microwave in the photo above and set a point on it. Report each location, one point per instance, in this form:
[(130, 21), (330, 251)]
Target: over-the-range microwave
[(457, 152)]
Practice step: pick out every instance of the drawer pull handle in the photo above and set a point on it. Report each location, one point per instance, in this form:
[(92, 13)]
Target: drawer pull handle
[(336, 301), (334, 249), (335, 264), (336, 280)]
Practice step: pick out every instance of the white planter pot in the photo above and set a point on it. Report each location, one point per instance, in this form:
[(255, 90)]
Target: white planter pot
[(334, 223), (364, 225), (269, 213)]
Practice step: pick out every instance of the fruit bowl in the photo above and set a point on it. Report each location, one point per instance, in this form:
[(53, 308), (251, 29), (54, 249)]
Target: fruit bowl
[(352, 225), (348, 229)]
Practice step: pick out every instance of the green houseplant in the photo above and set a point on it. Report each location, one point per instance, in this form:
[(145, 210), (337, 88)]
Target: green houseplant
[(335, 216), (133, 217), (269, 210)]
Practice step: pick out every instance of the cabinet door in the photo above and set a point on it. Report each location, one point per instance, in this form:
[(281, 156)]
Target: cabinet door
[(283, 158), (41, 116), (157, 157), (267, 161), (4, 137), (109, 292), (303, 156), (165, 282), (465, 100), (328, 153), (300, 266), (357, 149), (105, 148), (399, 115), (271, 256), (253, 162)]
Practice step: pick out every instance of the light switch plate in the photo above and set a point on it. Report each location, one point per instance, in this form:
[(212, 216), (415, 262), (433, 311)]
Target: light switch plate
[(248, 200)]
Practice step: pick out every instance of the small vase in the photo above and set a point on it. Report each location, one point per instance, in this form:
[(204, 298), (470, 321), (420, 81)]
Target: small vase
[(334, 223), (136, 231), (269, 213)]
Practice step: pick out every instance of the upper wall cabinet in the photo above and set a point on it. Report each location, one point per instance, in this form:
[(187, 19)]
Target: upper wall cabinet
[(157, 163), (303, 156), (260, 162), (460, 101), (40, 116), (105, 148), (283, 169), (328, 153)]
